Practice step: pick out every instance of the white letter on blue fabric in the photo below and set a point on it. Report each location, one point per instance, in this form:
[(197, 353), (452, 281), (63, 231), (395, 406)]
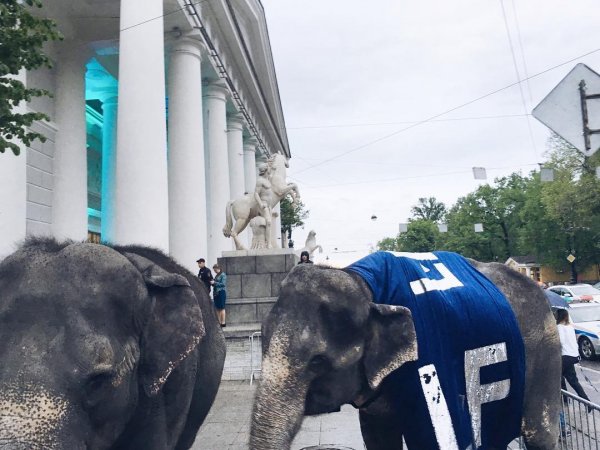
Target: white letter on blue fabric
[(438, 408), (448, 281), (477, 395)]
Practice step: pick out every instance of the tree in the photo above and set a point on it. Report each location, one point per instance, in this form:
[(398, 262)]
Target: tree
[(572, 203), (429, 209), (22, 36), (421, 236), (292, 215)]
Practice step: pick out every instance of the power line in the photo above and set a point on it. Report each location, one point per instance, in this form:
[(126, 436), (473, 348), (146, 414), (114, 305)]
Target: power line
[(413, 177), (161, 16), (489, 94), (407, 122), (514, 59), (523, 59)]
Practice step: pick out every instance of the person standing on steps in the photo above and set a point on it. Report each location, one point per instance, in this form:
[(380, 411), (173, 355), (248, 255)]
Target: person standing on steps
[(220, 293), (205, 274)]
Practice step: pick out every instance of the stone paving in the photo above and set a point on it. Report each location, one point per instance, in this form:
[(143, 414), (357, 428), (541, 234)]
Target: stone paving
[(228, 424)]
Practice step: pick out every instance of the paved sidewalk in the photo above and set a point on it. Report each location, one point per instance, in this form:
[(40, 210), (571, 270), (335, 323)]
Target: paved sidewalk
[(228, 424)]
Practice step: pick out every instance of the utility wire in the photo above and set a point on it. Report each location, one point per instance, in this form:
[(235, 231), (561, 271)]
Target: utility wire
[(406, 122), (516, 67), (161, 16), (523, 59), (489, 94), (413, 177)]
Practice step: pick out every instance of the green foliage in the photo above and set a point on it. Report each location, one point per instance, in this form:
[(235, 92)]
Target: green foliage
[(421, 236), (520, 215), (292, 215), (22, 36), (429, 209)]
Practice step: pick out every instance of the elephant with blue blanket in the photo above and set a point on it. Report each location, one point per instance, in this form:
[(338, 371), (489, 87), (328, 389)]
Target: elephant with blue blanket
[(443, 352)]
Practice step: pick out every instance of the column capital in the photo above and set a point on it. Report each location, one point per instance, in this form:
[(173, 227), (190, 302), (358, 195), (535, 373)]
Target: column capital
[(215, 89), (188, 46), (74, 50), (250, 144), (235, 122), (107, 96)]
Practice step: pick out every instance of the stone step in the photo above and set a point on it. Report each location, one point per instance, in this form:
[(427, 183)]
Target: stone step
[(243, 330)]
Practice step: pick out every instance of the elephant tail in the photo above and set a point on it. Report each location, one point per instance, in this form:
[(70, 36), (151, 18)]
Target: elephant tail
[(228, 220)]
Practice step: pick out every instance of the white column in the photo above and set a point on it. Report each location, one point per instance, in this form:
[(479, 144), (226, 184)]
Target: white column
[(276, 227), (69, 197), (250, 165), (109, 144), (249, 175), (235, 149), (13, 193), (141, 195), (187, 202), (215, 98)]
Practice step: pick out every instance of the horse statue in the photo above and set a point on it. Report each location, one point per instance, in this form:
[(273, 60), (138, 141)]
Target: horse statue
[(271, 187), (311, 245)]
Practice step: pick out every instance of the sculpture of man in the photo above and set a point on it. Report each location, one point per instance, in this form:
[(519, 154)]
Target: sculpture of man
[(262, 196)]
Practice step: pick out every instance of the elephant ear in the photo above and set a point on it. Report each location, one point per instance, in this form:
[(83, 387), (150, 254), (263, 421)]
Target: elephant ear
[(174, 326), (392, 341)]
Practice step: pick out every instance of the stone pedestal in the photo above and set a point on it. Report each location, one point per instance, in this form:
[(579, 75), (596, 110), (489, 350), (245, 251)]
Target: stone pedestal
[(253, 281)]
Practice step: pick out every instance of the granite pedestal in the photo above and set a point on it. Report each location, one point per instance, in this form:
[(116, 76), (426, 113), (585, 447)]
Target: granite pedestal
[(253, 282)]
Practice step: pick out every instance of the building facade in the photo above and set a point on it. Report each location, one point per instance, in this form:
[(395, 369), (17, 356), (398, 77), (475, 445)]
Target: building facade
[(161, 111)]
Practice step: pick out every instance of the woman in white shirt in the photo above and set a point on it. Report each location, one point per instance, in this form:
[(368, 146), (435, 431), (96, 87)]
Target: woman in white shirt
[(569, 351)]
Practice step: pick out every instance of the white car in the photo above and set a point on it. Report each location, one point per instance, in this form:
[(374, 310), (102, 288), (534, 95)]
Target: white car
[(577, 292), (586, 321)]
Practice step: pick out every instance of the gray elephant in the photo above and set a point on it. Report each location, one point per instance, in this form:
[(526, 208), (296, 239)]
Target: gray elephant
[(103, 348), (326, 343)]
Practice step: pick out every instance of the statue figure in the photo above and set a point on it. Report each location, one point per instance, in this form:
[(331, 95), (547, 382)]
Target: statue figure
[(263, 196), (271, 187), (259, 233), (311, 244)]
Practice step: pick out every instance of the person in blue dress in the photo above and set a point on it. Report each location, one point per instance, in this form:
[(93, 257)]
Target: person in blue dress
[(220, 292)]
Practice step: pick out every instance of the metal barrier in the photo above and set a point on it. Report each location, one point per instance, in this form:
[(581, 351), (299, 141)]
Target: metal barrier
[(578, 423), (255, 348)]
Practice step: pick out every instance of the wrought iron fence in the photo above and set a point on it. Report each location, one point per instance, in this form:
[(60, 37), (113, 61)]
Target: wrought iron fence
[(578, 423)]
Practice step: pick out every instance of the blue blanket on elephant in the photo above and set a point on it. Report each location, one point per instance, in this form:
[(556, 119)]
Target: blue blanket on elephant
[(466, 389)]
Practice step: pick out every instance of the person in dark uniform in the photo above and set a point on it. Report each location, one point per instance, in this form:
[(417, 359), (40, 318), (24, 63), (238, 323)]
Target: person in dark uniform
[(204, 274)]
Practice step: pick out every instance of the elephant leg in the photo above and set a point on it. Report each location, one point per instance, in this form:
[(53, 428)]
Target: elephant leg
[(380, 432), (541, 408)]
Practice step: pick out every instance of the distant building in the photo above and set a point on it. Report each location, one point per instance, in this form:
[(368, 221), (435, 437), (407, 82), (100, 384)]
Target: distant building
[(528, 266), (160, 111)]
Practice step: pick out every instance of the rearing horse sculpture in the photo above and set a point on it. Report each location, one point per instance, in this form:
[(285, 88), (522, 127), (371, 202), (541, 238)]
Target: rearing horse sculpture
[(244, 209)]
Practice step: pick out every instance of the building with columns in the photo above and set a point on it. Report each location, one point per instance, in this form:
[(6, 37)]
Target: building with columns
[(161, 111)]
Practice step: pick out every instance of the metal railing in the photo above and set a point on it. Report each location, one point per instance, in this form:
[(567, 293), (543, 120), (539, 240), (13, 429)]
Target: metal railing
[(255, 354), (578, 423)]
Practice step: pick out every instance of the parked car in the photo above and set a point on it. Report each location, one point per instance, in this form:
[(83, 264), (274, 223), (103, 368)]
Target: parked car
[(577, 292), (585, 317)]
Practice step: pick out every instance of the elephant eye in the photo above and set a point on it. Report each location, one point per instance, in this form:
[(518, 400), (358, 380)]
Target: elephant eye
[(96, 385), (319, 364)]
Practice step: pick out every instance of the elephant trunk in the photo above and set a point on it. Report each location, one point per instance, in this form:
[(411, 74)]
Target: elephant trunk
[(279, 403)]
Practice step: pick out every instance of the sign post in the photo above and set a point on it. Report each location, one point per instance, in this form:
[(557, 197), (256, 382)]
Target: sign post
[(569, 112)]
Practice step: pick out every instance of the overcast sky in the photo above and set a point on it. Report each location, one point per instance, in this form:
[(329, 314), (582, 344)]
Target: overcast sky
[(356, 77)]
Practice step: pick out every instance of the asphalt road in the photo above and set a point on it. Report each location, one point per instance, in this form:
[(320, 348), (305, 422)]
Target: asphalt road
[(591, 370)]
